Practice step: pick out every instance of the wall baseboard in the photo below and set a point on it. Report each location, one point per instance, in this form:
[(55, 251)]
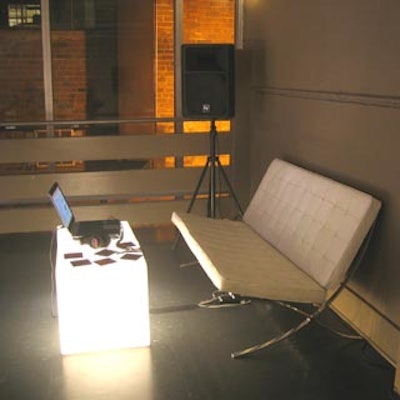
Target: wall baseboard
[(378, 331)]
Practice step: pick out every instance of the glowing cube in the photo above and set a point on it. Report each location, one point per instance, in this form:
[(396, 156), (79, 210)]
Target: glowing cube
[(101, 306)]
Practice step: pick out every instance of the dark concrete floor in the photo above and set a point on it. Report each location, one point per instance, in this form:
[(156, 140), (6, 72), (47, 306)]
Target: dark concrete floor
[(189, 357)]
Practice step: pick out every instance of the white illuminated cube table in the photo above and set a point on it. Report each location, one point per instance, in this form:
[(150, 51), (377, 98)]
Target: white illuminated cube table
[(101, 306)]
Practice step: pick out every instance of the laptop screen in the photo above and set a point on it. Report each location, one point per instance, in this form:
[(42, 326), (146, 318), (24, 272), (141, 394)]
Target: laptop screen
[(61, 205)]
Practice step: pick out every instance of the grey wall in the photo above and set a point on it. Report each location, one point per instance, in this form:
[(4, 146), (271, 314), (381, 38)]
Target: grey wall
[(319, 85)]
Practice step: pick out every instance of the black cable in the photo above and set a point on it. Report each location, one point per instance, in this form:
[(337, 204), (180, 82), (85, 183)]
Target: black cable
[(170, 309), (371, 357), (393, 395), (222, 299)]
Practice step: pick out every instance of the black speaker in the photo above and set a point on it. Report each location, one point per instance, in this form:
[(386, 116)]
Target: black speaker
[(208, 80)]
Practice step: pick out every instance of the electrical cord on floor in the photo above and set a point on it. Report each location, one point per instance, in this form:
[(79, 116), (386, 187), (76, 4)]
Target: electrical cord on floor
[(339, 333), (371, 357), (222, 299), (393, 395), (171, 309)]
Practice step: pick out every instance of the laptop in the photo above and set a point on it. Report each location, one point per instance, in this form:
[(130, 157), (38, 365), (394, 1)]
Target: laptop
[(83, 228)]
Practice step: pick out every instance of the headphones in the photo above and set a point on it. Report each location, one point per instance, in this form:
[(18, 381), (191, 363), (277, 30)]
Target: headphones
[(97, 240)]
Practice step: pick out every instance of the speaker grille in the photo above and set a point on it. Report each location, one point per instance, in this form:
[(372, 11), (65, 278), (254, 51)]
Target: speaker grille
[(208, 80)]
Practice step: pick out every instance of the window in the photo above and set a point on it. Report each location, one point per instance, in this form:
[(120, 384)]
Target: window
[(23, 14), (111, 60)]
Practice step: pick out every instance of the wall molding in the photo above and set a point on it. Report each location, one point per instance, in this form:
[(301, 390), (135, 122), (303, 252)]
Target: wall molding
[(381, 333), (371, 100)]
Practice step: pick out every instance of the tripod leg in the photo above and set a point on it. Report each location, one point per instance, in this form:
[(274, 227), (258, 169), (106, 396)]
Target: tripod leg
[(230, 188), (196, 191), (212, 190)]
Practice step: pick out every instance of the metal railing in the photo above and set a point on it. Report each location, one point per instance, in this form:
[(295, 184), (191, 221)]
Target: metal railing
[(123, 176)]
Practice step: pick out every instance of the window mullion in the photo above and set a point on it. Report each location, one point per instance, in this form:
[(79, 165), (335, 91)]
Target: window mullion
[(47, 65)]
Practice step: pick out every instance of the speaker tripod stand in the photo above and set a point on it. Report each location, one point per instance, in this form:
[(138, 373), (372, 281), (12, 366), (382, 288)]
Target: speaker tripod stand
[(211, 165)]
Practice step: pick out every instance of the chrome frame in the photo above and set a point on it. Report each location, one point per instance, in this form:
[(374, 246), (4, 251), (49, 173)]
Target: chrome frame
[(320, 309)]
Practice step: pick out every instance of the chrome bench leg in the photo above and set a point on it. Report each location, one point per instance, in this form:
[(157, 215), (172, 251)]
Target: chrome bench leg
[(275, 340)]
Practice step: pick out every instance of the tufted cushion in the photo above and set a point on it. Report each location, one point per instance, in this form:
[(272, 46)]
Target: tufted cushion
[(237, 259), (297, 239), (316, 222)]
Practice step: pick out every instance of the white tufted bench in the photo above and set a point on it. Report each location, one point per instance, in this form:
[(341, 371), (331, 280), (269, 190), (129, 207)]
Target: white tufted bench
[(296, 242)]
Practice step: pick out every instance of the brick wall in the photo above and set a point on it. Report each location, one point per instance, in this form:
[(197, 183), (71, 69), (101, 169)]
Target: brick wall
[(21, 75), (206, 21), (69, 74), (21, 79), (210, 21)]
